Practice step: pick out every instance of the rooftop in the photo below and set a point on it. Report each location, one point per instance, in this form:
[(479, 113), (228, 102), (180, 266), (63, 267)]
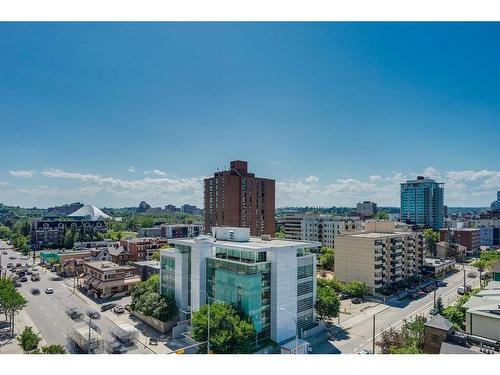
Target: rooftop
[(151, 263), (439, 322), (106, 265)]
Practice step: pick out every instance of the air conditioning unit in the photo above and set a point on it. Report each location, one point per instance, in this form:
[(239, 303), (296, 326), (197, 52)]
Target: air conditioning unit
[(266, 237)]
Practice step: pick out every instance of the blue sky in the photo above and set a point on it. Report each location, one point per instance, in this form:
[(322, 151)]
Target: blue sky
[(111, 114)]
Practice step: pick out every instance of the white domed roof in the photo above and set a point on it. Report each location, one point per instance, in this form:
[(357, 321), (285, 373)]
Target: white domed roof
[(92, 211)]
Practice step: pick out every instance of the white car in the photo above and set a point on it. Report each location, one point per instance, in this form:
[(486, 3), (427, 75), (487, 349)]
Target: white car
[(119, 309), (49, 291)]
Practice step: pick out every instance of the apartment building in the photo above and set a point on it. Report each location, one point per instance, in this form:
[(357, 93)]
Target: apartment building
[(140, 249), (239, 199), (470, 238), (106, 279), (320, 228), (259, 275), (366, 209), (383, 254), (422, 202)]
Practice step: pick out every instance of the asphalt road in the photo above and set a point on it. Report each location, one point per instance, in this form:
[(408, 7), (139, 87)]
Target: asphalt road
[(48, 311), (359, 337)]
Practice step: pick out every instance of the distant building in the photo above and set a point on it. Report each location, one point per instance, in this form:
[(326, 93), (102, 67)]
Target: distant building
[(65, 209), (91, 213), (442, 251), (292, 225), (384, 254), (143, 207), (237, 198), (366, 209), (141, 249), (50, 233), (267, 278), (149, 232), (495, 205), (172, 231), (422, 202), (468, 237)]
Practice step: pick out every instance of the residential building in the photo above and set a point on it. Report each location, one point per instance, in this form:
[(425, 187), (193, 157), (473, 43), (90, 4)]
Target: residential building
[(141, 249), (383, 254), (173, 231), (50, 232), (147, 268), (149, 232), (470, 238), (105, 279), (262, 276), (366, 209), (438, 267), (325, 228), (190, 210), (422, 202), (119, 255), (482, 315), (239, 199), (489, 236), (442, 251), (81, 245), (292, 225)]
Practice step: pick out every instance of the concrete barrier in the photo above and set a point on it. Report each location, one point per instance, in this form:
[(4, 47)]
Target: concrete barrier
[(160, 326)]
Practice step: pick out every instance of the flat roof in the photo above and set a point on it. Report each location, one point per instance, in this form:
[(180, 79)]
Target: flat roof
[(106, 265), (255, 243), (152, 263), (373, 234)]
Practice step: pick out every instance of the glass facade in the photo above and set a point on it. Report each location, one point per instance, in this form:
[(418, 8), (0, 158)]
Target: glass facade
[(422, 203), (167, 269), (245, 285)]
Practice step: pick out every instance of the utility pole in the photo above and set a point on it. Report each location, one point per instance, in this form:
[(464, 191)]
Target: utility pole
[(434, 298), (88, 344), (480, 275), (373, 338), (464, 278)]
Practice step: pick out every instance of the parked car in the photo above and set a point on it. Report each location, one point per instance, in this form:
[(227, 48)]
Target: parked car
[(344, 295), (107, 306), (464, 289), (153, 341), (74, 313), (35, 291), (23, 279), (12, 257), (356, 300), (10, 265), (119, 309), (442, 283), (472, 274), (364, 351), (49, 291), (34, 269), (4, 252)]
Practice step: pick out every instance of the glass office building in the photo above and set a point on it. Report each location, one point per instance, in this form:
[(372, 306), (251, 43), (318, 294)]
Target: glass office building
[(422, 203)]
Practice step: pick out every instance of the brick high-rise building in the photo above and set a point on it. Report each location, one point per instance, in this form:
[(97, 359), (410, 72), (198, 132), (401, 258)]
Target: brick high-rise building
[(237, 198)]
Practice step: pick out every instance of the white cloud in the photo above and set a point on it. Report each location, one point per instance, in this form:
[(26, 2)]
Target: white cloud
[(312, 179), (156, 172), (131, 169), (22, 173), (3, 183)]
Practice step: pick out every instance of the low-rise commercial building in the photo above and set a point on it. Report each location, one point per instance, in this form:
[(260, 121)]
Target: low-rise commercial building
[(382, 255), (437, 267), (482, 316), (105, 279), (268, 279), (147, 268)]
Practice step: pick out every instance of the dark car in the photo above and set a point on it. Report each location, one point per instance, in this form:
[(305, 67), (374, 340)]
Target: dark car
[(356, 300), (23, 279), (107, 306), (93, 314), (74, 313), (344, 295), (35, 291)]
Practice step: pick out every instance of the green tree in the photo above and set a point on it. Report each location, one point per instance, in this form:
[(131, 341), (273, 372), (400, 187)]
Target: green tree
[(382, 215), (29, 340), (69, 239), (438, 308), (11, 301), (156, 255), (53, 349), (230, 331), (5, 232), (390, 340), (431, 238), (358, 289), (327, 258), (327, 303)]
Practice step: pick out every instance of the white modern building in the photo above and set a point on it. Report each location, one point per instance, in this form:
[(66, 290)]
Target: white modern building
[(272, 281)]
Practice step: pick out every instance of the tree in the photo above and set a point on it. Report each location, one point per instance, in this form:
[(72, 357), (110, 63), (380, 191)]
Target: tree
[(438, 308), (358, 289), (156, 255), (5, 232), (69, 239), (327, 303), (409, 340), (147, 299), (327, 258), (413, 333), (11, 301), (389, 340), (53, 349), (29, 340), (431, 238), (382, 215), (230, 331)]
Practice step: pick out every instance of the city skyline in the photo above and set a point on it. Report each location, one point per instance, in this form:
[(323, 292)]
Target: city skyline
[(112, 114)]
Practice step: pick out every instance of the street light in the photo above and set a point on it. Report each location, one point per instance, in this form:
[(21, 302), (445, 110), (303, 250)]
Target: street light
[(208, 320), (296, 329), (90, 324)]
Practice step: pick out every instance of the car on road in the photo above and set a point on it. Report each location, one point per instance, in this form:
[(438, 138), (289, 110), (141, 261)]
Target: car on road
[(34, 269), (93, 314), (23, 279), (10, 265), (472, 274), (12, 257), (107, 306), (356, 300), (74, 313), (49, 291), (119, 309), (4, 252), (442, 283), (35, 291), (364, 351), (35, 276)]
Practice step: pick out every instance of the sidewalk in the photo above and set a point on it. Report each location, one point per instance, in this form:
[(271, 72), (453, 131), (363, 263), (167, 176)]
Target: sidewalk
[(11, 346), (355, 320)]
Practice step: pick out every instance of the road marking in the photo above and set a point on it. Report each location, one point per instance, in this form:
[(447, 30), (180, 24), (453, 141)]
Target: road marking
[(54, 323), (48, 316)]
